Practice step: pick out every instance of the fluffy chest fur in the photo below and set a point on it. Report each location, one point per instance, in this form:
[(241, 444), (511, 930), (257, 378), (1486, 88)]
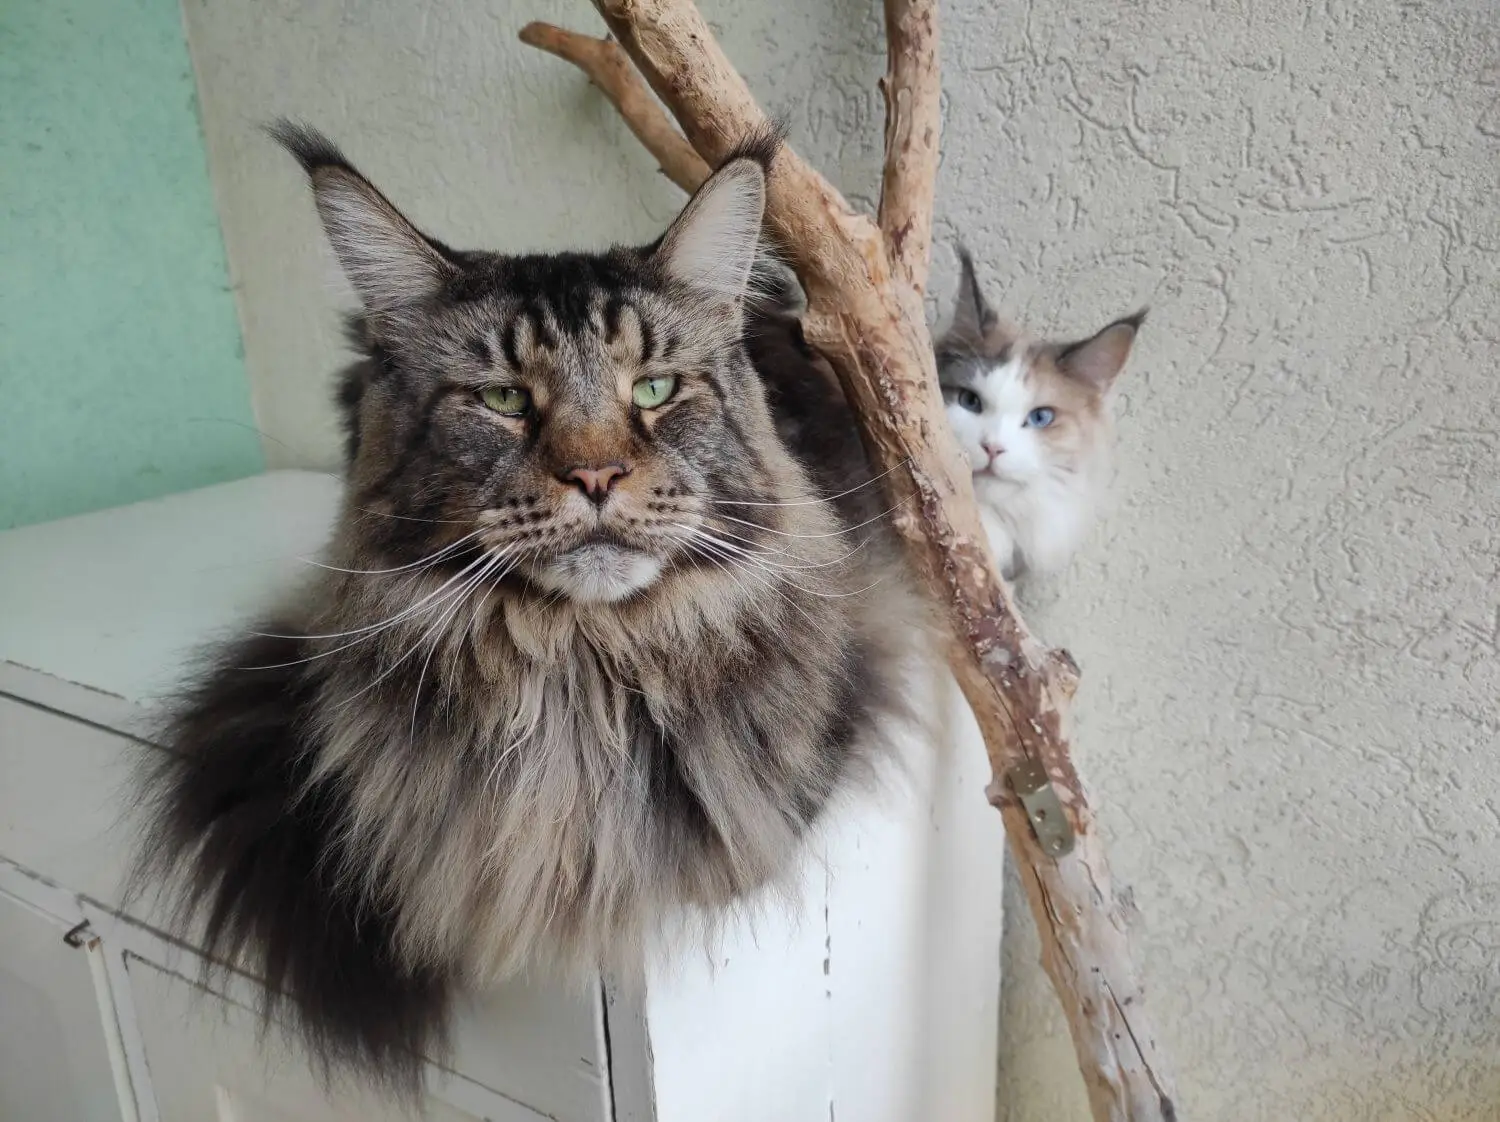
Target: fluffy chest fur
[(1037, 528), (569, 781)]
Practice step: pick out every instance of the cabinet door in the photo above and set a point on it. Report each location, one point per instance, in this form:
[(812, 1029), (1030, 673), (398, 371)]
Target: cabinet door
[(54, 1062), (209, 1063), (65, 832)]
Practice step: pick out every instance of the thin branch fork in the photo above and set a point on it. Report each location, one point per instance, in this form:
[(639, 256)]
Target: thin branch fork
[(609, 69), (864, 283)]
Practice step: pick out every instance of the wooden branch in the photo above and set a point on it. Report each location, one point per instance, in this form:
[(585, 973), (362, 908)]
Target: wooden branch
[(609, 69), (865, 316), (913, 122)]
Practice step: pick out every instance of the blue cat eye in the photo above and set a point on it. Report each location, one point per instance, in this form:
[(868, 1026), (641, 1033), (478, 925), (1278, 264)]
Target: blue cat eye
[(1040, 418)]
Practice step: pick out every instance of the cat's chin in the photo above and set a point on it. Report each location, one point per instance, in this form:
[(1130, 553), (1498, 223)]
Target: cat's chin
[(996, 487), (598, 573)]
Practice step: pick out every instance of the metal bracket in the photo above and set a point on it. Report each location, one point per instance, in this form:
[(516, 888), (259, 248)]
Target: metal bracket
[(77, 935), (1039, 799)]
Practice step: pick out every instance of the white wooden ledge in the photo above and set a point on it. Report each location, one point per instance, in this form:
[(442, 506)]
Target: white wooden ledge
[(875, 1001)]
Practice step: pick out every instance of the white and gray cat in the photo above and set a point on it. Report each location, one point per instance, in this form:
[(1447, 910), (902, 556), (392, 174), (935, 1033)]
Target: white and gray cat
[(1033, 419)]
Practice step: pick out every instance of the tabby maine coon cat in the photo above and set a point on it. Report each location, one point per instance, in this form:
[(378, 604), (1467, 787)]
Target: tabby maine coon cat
[(1033, 420), (595, 646)]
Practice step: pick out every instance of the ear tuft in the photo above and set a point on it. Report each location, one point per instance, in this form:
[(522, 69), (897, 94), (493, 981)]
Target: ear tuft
[(713, 243), (761, 144), (1099, 359), (391, 264), (972, 316), (308, 146)]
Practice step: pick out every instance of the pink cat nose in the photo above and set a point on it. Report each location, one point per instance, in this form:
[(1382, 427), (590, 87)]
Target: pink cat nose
[(596, 482), (992, 450)]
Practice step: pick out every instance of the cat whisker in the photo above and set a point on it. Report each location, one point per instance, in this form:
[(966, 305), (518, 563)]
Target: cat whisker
[(814, 502), (397, 618), (787, 553), (413, 518), (444, 621), (441, 611), (766, 557), (829, 534), (755, 565), (479, 605), (370, 632), (768, 580), (753, 557), (731, 565), (517, 740), (426, 562), (759, 560)]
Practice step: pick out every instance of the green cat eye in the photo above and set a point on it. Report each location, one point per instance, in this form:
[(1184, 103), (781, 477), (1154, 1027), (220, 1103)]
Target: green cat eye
[(648, 393), (511, 401)]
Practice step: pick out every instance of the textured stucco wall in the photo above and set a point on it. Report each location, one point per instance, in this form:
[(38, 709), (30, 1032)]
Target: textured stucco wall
[(120, 369), (1290, 626)]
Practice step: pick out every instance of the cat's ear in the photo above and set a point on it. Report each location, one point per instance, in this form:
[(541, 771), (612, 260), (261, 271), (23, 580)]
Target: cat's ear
[(1099, 359), (391, 264), (712, 245), (972, 316)]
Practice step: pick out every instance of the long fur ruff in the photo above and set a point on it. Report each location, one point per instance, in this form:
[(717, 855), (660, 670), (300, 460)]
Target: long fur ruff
[(432, 769)]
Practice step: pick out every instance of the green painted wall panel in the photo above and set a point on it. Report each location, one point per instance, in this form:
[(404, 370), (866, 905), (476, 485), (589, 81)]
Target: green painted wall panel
[(121, 373)]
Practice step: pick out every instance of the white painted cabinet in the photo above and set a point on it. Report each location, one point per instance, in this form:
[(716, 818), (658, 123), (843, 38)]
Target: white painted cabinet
[(54, 1056), (875, 1000)]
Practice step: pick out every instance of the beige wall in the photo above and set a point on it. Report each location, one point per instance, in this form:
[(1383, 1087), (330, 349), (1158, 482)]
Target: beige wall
[(1290, 626)]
